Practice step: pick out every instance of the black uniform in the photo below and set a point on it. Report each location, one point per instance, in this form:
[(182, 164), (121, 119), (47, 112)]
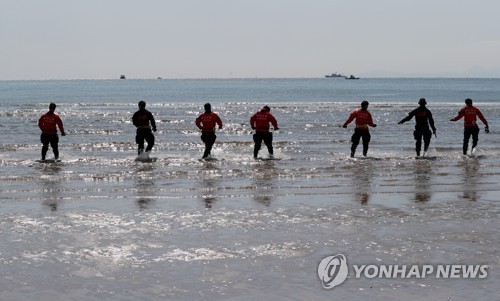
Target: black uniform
[(144, 121), (423, 118)]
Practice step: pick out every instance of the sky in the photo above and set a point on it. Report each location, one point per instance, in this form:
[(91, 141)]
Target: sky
[(102, 39)]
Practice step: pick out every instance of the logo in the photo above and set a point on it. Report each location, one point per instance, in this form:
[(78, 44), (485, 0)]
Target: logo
[(332, 271)]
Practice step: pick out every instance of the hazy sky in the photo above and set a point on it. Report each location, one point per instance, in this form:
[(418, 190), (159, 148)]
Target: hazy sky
[(76, 39)]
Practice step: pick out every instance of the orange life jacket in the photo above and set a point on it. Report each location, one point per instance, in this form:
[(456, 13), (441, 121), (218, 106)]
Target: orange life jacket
[(49, 122)]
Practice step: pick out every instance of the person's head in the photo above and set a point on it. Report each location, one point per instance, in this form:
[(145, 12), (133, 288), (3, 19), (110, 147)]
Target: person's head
[(208, 108), (364, 105), (52, 107), (422, 102), (266, 109), (468, 102), (142, 104)]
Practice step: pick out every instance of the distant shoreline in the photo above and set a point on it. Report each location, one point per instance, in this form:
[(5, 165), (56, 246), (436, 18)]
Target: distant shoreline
[(236, 78)]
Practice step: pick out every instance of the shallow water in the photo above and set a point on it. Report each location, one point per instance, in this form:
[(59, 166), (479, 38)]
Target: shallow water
[(99, 225)]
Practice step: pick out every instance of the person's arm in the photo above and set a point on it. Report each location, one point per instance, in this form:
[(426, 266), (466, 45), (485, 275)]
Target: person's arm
[(273, 121), (60, 125), (431, 122), (134, 119), (480, 115), (408, 117), (252, 122), (198, 122), (370, 121), (350, 119), (218, 121), (153, 122), (460, 115), (40, 123)]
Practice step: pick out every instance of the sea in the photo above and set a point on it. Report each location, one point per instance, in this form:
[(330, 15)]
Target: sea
[(99, 225)]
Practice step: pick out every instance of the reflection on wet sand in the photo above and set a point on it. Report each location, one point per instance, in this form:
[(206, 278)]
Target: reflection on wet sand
[(470, 174), (362, 175), (145, 186), (209, 194), (210, 183), (422, 175), (50, 182), (264, 183)]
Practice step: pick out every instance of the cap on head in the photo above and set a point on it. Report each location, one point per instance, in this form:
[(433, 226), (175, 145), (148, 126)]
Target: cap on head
[(364, 104), (142, 104), (422, 102), (267, 108), (52, 106), (468, 102)]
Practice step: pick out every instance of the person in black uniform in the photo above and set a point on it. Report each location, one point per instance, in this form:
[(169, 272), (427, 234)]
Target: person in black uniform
[(144, 121), (423, 118)]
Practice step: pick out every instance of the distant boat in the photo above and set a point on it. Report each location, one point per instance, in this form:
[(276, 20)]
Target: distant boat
[(335, 75), (351, 77), (122, 76)]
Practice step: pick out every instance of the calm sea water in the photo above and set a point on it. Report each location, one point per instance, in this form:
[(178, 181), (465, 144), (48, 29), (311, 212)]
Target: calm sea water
[(99, 225)]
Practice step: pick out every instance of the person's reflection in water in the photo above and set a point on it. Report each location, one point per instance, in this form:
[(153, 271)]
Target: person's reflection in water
[(51, 185), (145, 186), (264, 177), (209, 194), (362, 174), (422, 177), (210, 181), (471, 167)]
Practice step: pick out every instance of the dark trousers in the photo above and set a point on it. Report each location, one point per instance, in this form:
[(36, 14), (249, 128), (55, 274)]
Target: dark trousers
[(358, 134), (53, 140), (209, 139), (268, 141), (144, 134), (468, 132), (418, 135)]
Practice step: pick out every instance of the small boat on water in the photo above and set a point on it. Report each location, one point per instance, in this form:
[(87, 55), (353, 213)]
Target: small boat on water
[(122, 76), (351, 77), (334, 75)]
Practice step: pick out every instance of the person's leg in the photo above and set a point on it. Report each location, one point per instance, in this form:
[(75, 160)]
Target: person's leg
[(475, 136), (150, 139), (45, 145), (257, 138), (209, 139), (139, 139), (54, 142), (427, 140), (366, 141), (268, 141), (467, 133), (355, 141), (418, 141)]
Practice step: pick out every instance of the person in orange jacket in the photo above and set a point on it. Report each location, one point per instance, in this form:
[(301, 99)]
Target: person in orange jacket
[(363, 120), (206, 122), (470, 114), (48, 123), (260, 123)]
